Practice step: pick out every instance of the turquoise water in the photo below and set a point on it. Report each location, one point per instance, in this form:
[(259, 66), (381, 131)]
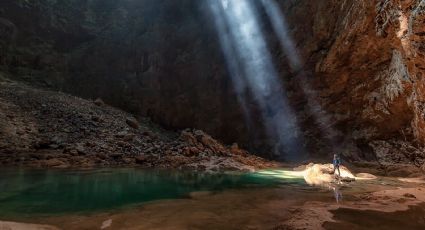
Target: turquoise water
[(26, 192)]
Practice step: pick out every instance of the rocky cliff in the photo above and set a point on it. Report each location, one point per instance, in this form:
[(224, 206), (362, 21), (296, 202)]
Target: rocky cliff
[(373, 66), (368, 60), (364, 59)]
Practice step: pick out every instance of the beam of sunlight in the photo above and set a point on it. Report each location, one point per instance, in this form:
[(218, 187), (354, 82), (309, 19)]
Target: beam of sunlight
[(250, 65), (230, 56), (280, 27)]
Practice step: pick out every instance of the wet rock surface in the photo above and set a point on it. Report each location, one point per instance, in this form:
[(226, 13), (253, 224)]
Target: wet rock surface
[(40, 128)]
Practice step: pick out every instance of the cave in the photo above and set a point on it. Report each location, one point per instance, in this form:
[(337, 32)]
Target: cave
[(234, 114)]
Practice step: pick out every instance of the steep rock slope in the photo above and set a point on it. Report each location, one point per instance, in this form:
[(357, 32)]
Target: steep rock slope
[(40, 128)]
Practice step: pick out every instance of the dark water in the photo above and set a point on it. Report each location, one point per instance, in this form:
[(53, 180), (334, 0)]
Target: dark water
[(27, 193)]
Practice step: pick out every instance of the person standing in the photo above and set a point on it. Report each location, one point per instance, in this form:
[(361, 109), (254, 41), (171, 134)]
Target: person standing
[(336, 162)]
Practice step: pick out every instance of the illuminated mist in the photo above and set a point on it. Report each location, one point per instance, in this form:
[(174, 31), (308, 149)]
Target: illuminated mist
[(280, 27), (254, 75)]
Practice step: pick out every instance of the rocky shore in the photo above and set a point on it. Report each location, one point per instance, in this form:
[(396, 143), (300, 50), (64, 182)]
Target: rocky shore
[(386, 202), (47, 129)]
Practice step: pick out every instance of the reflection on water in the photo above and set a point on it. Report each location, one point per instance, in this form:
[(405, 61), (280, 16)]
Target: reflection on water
[(337, 193), (284, 174), (26, 192)]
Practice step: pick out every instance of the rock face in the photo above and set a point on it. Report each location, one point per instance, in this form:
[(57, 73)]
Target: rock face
[(371, 73), (369, 64), (364, 59)]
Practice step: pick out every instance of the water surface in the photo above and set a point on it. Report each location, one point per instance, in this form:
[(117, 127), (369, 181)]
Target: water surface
[(26, 192), (133, 198)]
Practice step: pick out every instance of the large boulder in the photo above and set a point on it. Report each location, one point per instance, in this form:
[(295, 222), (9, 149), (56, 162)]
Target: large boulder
[(320, 174), (132, 122)]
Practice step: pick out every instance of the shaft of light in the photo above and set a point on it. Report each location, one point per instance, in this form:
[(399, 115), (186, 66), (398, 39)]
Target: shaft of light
[(280, 27), (250, 63), (228, 49)]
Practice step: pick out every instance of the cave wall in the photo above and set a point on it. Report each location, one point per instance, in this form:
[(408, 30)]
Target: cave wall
[(162, 59), (369, 66), (154, 58)]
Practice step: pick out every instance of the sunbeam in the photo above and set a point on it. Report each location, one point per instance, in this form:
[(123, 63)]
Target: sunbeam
[(280, 27), (251, 68), (230, 55)]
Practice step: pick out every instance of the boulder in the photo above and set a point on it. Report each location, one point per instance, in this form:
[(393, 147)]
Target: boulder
[(36, 156), (95, 118), (121, 143), (235, 150), (319, 174), (141, 159), (128, 137), (132, 122), (116, 155), (80, 150), (188, 137), (54, 163), (121, 134), (99, 102)]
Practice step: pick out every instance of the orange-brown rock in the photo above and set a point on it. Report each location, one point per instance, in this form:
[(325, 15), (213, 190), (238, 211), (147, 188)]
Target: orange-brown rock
[(371, 65)]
